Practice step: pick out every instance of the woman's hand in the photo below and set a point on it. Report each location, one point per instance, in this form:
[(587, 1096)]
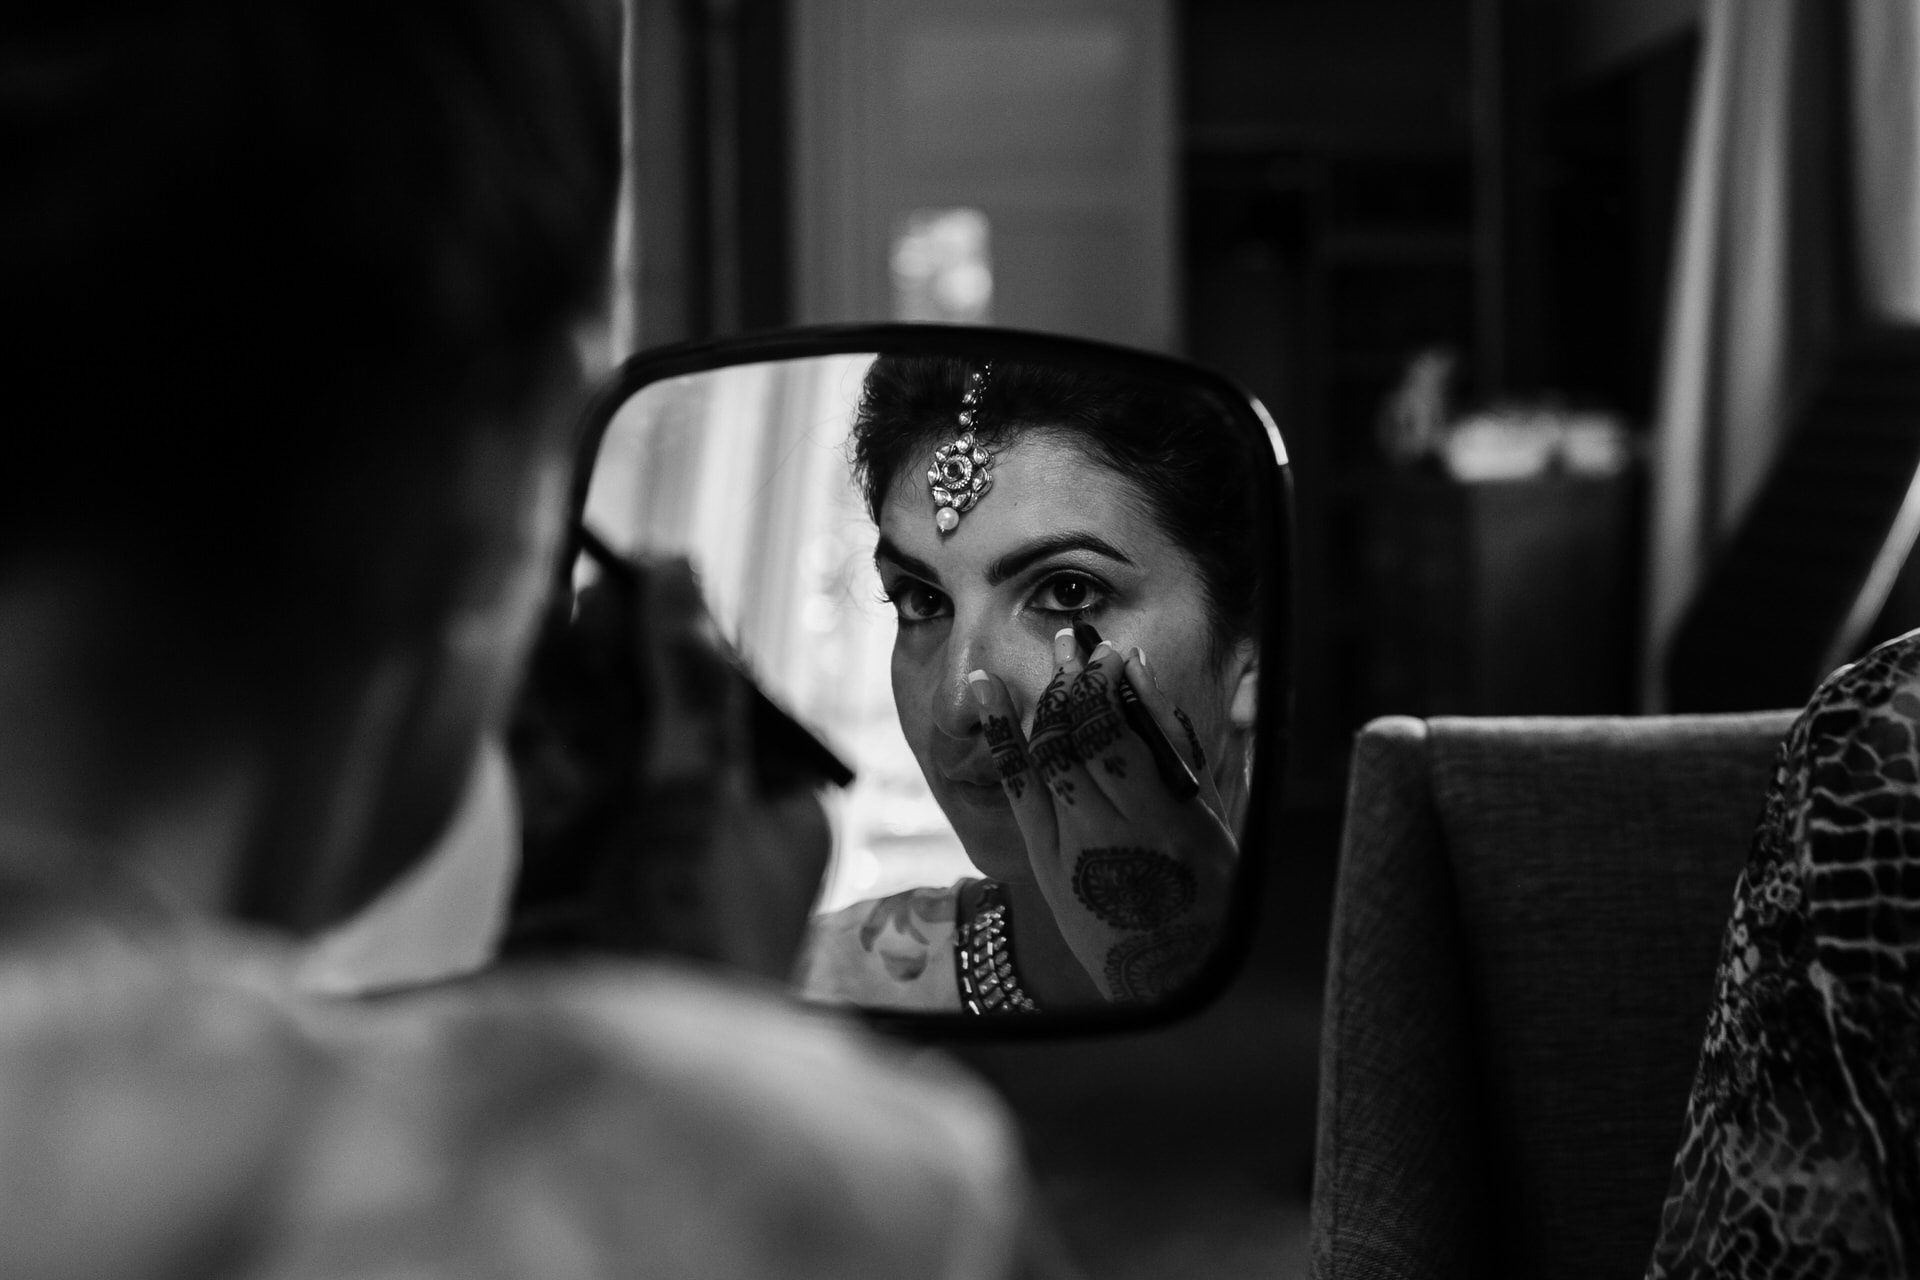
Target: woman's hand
[(1138, 879)]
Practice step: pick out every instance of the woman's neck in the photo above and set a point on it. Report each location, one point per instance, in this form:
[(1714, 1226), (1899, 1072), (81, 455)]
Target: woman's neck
[(76, 815)]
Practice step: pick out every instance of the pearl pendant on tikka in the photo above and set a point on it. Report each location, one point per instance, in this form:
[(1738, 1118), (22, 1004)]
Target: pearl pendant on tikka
[(961, 470)]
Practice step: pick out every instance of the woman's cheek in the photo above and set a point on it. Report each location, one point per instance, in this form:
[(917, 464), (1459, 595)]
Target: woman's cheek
[(905, 707), (913, 644), (1180, 665)]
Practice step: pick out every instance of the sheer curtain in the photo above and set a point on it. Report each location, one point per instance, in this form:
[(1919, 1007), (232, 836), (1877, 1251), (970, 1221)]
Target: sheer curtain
[(1755, 279), (1884, 57), (744, 471)]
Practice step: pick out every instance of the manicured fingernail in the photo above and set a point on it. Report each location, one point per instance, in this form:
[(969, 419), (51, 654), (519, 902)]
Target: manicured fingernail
[(977, 686), (1104, 646), (1140, 655), (1065, 647), (1153, 677)]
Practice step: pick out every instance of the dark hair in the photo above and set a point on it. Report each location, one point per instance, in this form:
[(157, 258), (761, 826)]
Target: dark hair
[(269, 267), (1176, 447)]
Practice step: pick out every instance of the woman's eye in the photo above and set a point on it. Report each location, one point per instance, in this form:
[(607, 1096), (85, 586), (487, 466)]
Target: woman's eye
[(917, 602), (1068, 593)]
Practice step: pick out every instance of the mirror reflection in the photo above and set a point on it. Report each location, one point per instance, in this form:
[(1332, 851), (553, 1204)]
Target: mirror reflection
[(1019, 600)]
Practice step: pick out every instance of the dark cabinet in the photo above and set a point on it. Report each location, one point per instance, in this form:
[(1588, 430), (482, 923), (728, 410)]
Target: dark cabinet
[(1512, 597)]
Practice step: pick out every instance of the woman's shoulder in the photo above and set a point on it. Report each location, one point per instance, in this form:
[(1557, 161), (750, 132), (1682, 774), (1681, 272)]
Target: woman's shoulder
[(625, 1112), (1849, 764), (1882, 688), (894, 951), (1848, 784)]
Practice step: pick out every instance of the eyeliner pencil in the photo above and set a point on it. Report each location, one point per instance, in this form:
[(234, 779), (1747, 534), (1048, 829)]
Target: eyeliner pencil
[(1172, 769)]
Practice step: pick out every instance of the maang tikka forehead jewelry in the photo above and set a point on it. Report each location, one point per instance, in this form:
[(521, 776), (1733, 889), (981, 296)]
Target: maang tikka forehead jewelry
[(962, 469)]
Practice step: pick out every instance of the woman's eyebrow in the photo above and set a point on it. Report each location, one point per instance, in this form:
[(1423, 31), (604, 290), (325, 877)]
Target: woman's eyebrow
[(1016, 561), (886, 550)]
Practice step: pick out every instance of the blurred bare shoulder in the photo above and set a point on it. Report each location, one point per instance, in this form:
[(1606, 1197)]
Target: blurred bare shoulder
[(625, 1119)]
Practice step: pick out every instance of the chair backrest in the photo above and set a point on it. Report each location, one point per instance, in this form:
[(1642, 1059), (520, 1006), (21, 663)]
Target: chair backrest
[(1526, 925)]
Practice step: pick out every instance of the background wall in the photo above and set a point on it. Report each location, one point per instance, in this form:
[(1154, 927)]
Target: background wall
[(1055, 122)]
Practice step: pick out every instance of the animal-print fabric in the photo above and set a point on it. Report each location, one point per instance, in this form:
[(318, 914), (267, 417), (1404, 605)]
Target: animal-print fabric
[(1802, 1149)]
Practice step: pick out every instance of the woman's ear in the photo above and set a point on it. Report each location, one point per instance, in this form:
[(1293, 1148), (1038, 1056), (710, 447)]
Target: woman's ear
[(1243, 704)]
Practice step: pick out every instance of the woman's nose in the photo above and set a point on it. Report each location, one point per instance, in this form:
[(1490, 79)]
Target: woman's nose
[(954, 710)]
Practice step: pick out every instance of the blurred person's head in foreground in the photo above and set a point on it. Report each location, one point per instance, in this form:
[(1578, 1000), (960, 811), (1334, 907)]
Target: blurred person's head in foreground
[(291, 291)]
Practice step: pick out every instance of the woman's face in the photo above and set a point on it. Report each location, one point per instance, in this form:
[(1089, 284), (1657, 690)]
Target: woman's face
[(1057, 534)]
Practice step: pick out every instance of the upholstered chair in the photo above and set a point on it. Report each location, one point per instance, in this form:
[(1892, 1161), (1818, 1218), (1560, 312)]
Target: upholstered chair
[(1526, 925)]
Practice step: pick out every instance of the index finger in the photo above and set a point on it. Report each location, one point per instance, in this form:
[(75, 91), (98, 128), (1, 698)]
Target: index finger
[(1025, 792)]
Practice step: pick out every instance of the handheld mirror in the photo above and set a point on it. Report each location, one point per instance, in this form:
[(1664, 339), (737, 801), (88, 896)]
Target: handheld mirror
[(1031, 592)]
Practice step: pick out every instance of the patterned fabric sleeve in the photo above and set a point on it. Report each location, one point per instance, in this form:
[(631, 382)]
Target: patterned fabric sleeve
[(1801, 1155)]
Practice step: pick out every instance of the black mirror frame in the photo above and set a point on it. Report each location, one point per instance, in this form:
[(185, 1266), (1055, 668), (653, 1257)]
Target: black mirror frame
[(1276, 623)]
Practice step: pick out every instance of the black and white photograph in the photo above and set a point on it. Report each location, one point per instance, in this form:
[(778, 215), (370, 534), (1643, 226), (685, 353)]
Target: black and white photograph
[(960, 640)]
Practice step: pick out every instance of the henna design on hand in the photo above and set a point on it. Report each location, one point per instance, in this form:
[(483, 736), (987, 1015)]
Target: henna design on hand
[(1154, 965), (1008, 758), (1051, 748), (1054, 711), (1097, 726), (1193, 740), (1054, 757), (1133, 888)]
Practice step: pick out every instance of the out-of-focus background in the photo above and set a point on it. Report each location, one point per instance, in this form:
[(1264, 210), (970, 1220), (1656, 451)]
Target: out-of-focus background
[(1587, 322)]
